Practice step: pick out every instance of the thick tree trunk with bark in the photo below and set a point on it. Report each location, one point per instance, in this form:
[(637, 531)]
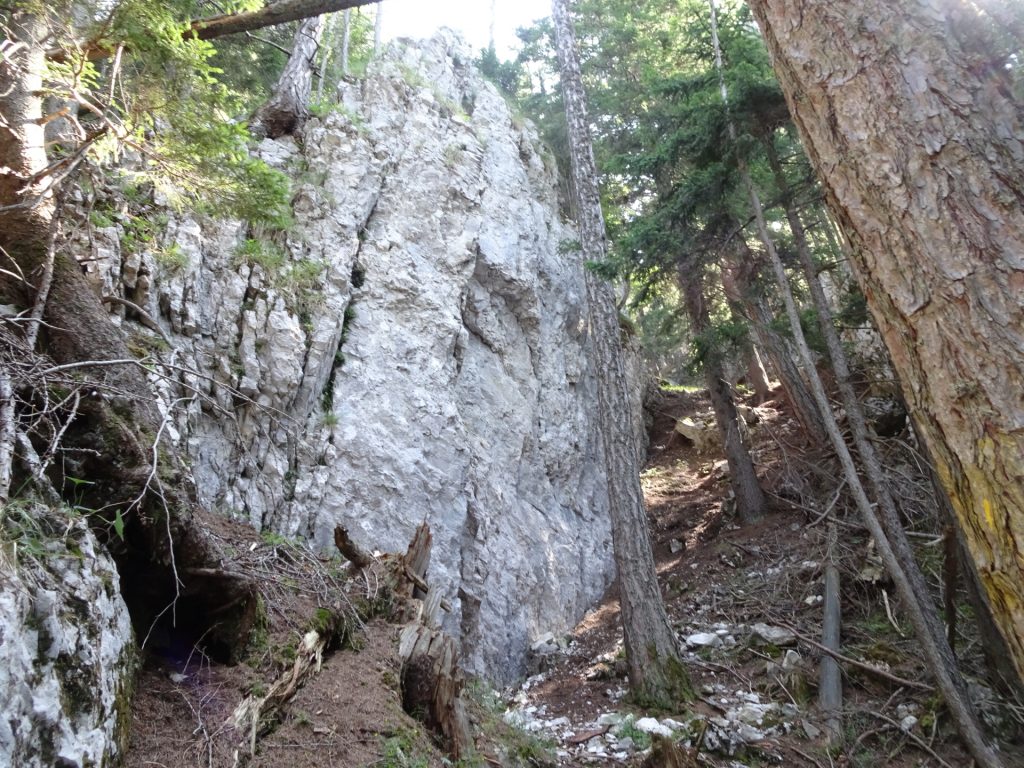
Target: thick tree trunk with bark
[(288, 106), (885, 528), (921, 151), (115, 435), (656, 673), (750, 503)]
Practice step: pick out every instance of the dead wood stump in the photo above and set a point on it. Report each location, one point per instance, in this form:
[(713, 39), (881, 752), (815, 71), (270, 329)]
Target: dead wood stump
[(431, 679)]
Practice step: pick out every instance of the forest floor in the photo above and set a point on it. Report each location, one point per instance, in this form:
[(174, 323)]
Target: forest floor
[(745, 601)]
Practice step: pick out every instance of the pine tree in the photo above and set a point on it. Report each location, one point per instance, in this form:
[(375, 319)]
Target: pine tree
[(656, 673), (922, 162)]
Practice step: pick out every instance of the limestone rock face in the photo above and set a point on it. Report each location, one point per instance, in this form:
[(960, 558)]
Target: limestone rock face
[(66, 654), (414, 348)]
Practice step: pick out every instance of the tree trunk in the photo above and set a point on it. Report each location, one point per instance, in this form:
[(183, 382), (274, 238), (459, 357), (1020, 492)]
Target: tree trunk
[(270, 16), (225, 24), (757, 376), (431, 678), (872, 465), (747, 491), (919, 147), (656, 673), (346, 41), (115, 435), (287, 109), (378, 29), (329, 38), (895, 553), (830, 678), (737, 280)]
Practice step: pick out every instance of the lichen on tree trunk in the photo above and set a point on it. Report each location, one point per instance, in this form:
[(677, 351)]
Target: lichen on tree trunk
[(921, 151)]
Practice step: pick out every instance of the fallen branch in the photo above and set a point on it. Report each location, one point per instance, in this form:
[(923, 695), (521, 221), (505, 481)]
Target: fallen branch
[(586, 736), (859, 664), (256, 713), (921, 743)]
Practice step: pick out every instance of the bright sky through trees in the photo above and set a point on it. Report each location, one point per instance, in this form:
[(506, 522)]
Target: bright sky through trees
[(418, 18)]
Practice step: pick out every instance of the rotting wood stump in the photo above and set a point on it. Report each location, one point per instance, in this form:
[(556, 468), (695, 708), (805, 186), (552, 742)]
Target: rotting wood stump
[(431, 678)]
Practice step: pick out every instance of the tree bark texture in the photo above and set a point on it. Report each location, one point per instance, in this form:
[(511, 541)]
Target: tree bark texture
[(22, 135), (896, 555), (750, 503), (921, 151), (757, 376), (431, 678), (652, 655), (288, 106), (269, 16)]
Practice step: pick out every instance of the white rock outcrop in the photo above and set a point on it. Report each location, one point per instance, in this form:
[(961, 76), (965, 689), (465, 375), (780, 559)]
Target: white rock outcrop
[(66, 651), (414, 348)]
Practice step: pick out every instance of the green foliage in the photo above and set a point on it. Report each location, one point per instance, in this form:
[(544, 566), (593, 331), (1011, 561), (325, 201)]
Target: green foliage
[(250, 68), (506, 75), (139, 233), (99, 219), (299, 280), (724, 338), (328, 106), (674, 204), (360, 46), (569, 246), (24, 533), (402, 751), (168, 103), (628, 729), (172, 258), (853, 309), (267, 256)]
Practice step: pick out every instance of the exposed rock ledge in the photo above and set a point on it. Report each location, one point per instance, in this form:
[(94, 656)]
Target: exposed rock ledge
[(459, 391), (66, 649)]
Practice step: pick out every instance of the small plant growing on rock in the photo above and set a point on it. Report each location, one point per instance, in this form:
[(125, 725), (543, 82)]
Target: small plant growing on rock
[(172, 259), (259, 253), (400, 752), (628, 730)]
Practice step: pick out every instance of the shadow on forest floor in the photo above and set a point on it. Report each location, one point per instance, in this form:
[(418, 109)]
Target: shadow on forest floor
[(740, 599)]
